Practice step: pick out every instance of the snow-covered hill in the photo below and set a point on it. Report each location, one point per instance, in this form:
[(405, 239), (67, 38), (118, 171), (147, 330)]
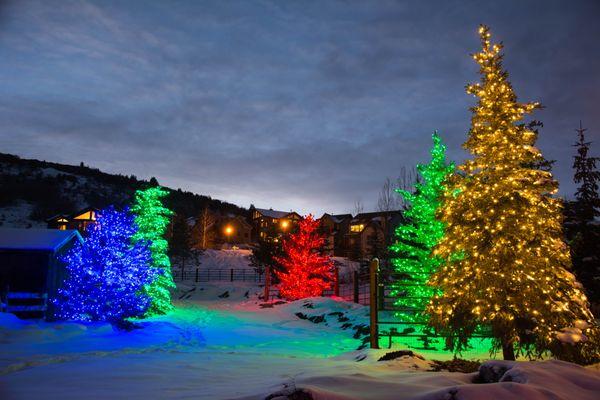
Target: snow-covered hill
[(33, 190)]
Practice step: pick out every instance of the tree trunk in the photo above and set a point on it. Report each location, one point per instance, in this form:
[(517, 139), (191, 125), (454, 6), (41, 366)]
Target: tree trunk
[(508, 350)]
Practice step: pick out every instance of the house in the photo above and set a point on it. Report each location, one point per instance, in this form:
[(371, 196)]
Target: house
[(335, 227), (31, 270), (212, 230), (270, 225), (79, 220), (370, 233), (234, 229)]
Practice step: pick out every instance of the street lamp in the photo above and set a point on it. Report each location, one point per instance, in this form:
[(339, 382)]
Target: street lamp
[(228, 232)]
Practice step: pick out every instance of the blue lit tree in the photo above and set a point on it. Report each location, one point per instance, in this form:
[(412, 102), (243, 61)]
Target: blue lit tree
[(106, 274)]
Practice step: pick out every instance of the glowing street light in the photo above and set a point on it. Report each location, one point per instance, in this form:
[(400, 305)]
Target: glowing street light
[(284, 224)]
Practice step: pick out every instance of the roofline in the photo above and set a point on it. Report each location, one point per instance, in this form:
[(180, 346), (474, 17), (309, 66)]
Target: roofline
[(73, 215), (285, 213), (75, 233), (57, 216)]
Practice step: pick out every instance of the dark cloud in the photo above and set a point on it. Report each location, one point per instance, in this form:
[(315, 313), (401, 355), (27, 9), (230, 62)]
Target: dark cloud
[(303, 105)]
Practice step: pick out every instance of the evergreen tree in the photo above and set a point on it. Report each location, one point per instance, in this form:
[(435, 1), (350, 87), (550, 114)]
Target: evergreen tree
[(505, 261), (417, 237), (376, 246), (355, 249), (265, 255), (584, 234), (106, 273), (306, 272), (152, 219), (180, 241)]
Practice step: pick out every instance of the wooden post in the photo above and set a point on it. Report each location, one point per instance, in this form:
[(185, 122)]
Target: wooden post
[(336, 284), (380, 296), (373, 288), (231, 275), (196, 275), (267, 283), (356, 287)]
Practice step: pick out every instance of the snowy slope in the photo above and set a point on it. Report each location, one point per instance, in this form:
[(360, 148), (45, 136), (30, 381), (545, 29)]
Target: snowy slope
[(18, 216), (225, 259)]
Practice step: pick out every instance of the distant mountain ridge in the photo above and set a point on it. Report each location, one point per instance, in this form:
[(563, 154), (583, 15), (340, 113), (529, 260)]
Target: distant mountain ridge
[(32, 191)]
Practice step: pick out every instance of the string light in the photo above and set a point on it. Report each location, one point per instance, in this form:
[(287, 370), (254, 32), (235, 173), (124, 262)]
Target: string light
[(504, 259), (106, 274), (152, 219), (306, 272), (417, 237)]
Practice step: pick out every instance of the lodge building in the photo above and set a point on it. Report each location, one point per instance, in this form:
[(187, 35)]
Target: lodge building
[(271, 225), (79, 220), (346, 235)]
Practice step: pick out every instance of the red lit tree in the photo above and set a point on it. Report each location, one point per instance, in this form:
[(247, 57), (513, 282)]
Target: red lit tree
[(306, 272)]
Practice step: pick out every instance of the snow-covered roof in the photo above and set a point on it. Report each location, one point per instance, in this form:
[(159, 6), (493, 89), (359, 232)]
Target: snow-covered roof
[(191, 221), (340, 217), (36, 239), (273, 213)]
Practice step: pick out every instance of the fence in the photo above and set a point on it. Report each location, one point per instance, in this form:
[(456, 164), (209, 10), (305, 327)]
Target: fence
[(352, 286), (387, 325), (218, 275)]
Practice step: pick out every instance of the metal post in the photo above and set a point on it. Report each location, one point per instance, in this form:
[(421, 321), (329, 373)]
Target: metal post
[(231, 275), (373, 288), (267, 283), (336, 284), (196, 274), (356, 287)]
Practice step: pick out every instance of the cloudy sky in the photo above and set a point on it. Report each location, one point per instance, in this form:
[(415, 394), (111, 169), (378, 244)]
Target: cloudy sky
[(305, 105)]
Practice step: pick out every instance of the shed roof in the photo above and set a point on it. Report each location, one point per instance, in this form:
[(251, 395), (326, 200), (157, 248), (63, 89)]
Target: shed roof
[(36, 239)]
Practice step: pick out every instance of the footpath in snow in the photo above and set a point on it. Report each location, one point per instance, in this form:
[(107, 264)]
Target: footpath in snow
[(219, 343)]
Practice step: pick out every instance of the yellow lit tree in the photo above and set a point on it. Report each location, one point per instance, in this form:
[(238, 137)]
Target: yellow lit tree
[(505, 262)]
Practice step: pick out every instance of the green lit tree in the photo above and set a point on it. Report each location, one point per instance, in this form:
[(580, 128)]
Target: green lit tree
[(416, 238), (152, 219)]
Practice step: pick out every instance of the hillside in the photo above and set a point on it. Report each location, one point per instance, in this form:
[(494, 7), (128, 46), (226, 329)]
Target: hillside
[(32, 191)]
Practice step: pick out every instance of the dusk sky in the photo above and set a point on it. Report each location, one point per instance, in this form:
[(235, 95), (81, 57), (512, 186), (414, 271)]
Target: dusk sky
[(304, 105)]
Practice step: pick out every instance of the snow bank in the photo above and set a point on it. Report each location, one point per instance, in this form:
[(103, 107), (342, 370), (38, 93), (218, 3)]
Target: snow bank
[(521, 380), (218, 293)]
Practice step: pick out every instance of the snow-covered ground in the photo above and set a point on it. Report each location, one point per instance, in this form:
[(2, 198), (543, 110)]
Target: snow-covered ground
[(221, 343)]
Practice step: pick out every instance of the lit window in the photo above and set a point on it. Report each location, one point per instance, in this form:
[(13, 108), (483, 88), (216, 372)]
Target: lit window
[(357, 228)]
